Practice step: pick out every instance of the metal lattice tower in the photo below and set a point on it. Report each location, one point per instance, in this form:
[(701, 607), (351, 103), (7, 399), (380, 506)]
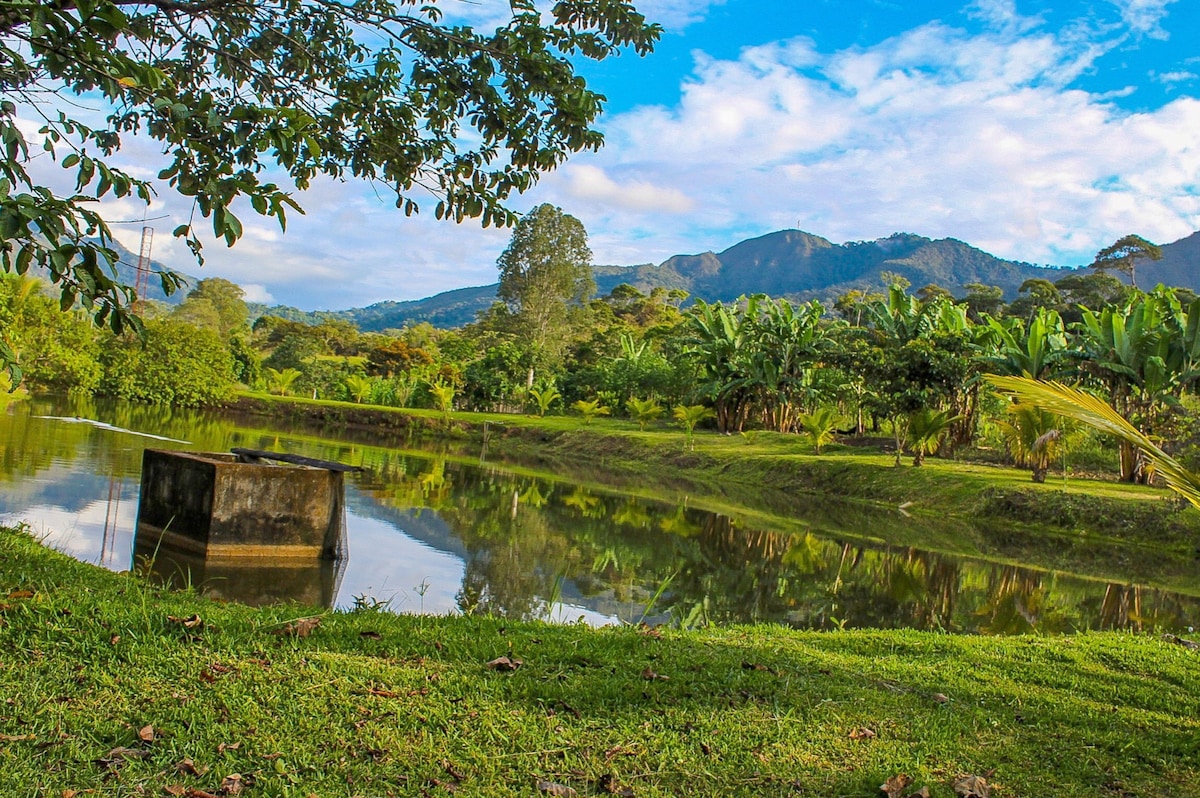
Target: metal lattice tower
[(143, 267)]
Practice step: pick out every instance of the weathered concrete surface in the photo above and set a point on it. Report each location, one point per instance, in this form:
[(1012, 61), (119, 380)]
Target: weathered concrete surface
[(213, 505)]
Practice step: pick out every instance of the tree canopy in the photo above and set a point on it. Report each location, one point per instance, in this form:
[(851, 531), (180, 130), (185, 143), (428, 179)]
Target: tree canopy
[(546, 266), (253, 99)]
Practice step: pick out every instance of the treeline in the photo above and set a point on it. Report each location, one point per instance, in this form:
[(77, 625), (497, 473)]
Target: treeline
[(909, 366)]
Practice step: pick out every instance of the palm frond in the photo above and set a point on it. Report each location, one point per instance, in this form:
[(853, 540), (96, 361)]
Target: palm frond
[(1096, 413)]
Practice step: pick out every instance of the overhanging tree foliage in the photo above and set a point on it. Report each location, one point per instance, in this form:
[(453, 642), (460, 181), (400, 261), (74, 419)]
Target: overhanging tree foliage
[(240, 93)]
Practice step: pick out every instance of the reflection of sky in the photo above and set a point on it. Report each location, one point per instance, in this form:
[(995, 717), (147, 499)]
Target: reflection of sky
[(81, 533), (71, 510)]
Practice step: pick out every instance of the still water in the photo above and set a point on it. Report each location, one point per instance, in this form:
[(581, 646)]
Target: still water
[(440, 531)]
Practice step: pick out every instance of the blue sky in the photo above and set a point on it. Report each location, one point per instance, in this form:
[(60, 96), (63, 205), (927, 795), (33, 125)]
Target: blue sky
[(1039, 131)]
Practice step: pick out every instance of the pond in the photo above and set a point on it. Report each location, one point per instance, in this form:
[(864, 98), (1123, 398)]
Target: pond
[(438, 529)]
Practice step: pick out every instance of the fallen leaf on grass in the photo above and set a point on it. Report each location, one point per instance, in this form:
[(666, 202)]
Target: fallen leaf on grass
[(188, 768), (233, 784), (382, 693), (921, 793), (894, 787), (117, 757), (862, 734), (650, 676), (112, 641), (1188, 644), (504, 664), (608, 783), (190, 622), (21, 594), (972, 787), (555, 789), (223, 747), (940, 698), (15, 738), (301, 627), (371, 635), (146, 734), (754, 666)]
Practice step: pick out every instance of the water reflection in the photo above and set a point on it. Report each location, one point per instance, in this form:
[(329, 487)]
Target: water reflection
[(435, 534)]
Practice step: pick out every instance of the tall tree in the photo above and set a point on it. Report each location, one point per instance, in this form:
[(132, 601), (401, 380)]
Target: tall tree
[(383, 90), (546, 267), (1124, 254)]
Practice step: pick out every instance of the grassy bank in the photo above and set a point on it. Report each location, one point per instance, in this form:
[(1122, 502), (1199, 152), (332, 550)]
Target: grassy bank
[(119, 688), (744, 469)]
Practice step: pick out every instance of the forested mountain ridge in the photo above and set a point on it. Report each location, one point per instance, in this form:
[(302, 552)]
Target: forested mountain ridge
[(792, 264), (787, 263)]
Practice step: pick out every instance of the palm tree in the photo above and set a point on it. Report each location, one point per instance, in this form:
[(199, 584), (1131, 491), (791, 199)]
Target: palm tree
[(820, 427), (926, 427), (280, 382), (1087, 409), (643, 411), (689, 416), (1035, 437), (359, 387), (590, 409)]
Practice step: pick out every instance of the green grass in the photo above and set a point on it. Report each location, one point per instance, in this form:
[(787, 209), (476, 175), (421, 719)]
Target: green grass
[(372, 704)]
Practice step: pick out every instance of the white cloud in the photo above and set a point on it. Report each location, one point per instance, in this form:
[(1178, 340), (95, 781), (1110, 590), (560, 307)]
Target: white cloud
[(590, 183), (934, 131), (1144, 16), (1176, 77)]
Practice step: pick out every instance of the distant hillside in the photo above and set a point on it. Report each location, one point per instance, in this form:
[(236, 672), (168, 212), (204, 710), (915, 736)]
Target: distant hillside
[(791, 264), (1180, 265)]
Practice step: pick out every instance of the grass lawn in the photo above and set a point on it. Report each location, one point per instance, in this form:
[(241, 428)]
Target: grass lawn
[(111, 686)]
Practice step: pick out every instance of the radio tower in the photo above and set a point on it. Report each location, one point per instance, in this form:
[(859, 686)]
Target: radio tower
[(143, 268)]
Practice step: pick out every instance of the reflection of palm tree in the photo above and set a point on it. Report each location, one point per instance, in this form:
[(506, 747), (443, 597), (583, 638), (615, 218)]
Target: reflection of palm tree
[(589, 506)]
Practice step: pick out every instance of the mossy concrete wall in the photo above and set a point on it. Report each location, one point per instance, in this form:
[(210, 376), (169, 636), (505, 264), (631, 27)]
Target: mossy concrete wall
[(213, 505)]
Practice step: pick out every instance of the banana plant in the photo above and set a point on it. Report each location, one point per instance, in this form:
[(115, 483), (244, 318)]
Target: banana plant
[(544, 397)]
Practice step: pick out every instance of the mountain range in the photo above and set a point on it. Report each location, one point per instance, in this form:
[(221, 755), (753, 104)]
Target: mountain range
[(787, 263), (798, 266)]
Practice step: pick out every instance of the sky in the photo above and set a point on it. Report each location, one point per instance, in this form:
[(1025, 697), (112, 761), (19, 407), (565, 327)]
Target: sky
[(1038, 131)]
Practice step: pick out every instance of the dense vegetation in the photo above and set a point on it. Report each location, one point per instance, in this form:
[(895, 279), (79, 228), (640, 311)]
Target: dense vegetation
[(896, 366)]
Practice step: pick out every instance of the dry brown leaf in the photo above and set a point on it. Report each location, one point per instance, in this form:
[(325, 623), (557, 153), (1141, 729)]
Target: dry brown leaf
[(112, 641), (862, 734), (921, 793), (223, 747), (21, 594), (371, 635), (233, 784), (146, 734), (649, 675), (504, 664), (188, 768), (190, 622), (301, 627), (972, 787), (894, 787), (176, 790), (555, 789), (15, 738), (940, 698), (382, 693), (609, 784)]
